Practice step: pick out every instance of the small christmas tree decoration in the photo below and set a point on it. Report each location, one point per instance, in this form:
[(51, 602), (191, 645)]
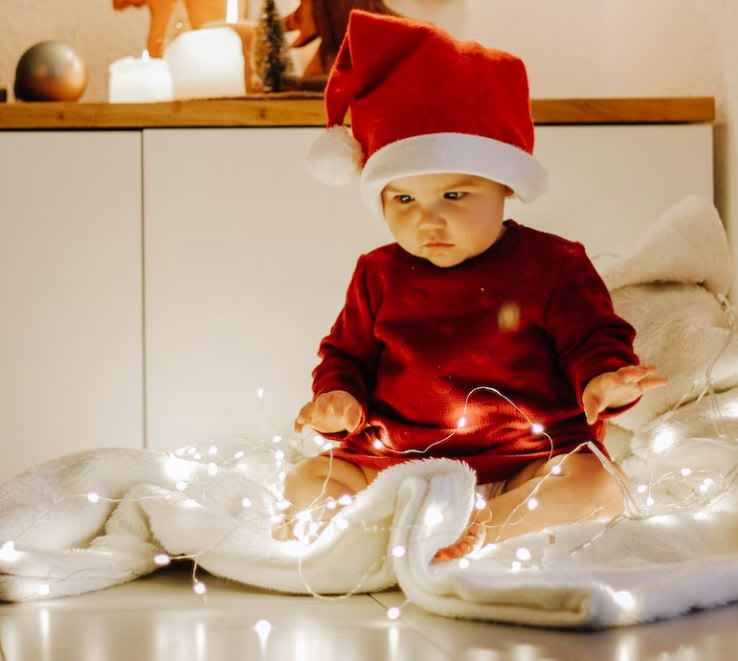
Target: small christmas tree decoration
[(272, 62)]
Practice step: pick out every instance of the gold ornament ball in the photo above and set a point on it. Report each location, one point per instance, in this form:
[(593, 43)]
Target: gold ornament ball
[(50, 71)]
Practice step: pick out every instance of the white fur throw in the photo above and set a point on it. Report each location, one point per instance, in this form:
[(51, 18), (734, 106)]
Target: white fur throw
[(56, 539)]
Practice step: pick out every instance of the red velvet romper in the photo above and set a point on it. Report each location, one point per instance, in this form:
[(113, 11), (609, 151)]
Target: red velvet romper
[(529, 317)]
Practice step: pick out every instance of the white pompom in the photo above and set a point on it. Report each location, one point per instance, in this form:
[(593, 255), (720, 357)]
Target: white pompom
[(335, 157)]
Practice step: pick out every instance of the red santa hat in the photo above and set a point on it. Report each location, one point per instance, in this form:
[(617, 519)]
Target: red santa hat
[(422, 102)]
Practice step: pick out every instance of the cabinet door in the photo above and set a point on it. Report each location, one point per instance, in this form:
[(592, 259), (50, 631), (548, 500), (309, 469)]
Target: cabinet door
[(247, 263), (248, 259), (70, 294)]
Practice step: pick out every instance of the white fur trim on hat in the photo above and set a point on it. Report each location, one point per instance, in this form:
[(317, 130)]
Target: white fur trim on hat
[(335, 157), (452, 152)]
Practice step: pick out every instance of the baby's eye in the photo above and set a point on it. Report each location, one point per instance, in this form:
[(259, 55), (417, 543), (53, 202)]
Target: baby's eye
[(404, 199), (455, 195)]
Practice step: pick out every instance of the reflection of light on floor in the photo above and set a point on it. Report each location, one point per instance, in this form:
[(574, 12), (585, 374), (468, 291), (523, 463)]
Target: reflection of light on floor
[(393, 642), (44, 625), (627, 649), (201, 641)]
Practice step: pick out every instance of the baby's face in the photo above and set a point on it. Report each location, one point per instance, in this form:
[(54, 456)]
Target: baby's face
[(446, 217)]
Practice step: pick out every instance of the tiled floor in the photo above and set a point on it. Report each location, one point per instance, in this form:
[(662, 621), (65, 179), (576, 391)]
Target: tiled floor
[(160, 617)]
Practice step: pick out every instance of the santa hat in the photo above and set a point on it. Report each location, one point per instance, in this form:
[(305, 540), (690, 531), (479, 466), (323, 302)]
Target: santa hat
[(422, 102)]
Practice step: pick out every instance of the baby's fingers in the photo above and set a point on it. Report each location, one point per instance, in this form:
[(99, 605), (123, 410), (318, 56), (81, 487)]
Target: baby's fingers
[(652, 382), (305, 416)]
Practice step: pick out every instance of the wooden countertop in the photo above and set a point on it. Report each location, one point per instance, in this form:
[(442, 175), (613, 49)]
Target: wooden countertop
[(306, 109)]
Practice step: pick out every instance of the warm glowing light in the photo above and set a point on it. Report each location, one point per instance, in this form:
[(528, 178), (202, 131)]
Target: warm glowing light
[(181, 485), (260, 393), (199, 587), (516, 566), (532, 503), (399, 551), (433, 516), (537, 428), (556, 470), (464, 563), (282, 505), (246, 502), (232, 11), (262, 628), (238, 454), (480, 503), (318, 440), (663, 440), (44, 589), (213, 449), (191, 503), (331, 504), (462, 422), (378, 444), (345, 500), (145, 55), (8, 552), (685, 471), (642, 488), (212, 468), (624, 599), (649, 501), (197, 456), (162, 559), (341, 523), (523, 554), (393, 613), (93, 497)]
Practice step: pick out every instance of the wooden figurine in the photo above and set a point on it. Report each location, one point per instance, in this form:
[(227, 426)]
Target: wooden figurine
[(327, 20)]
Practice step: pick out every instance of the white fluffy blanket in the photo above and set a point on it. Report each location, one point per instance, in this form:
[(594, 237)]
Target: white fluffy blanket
[(94, 519)]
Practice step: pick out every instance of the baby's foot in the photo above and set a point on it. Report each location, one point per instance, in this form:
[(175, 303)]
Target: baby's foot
[(473, 537)]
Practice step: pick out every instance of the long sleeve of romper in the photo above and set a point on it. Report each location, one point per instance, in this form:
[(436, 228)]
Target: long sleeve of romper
[(589, 336), (349, 353)]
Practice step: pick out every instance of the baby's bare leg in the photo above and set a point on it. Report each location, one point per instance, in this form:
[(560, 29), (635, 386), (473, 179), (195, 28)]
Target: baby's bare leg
[(583, 491), (313, 482)]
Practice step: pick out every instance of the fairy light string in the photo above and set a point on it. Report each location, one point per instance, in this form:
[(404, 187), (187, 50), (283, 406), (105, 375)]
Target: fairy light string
[(707, 487)]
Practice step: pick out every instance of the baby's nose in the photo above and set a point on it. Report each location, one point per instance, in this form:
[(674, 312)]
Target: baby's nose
[(431, 221)]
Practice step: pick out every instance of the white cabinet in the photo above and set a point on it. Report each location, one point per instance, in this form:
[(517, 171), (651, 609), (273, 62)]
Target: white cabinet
[(70, 294), (248, 259), (110, 336)]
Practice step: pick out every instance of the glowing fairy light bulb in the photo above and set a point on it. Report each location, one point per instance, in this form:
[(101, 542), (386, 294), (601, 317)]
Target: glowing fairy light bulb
[(181, 485), (649, 501), (238, 454), (200, 587), (262, 628), (642, 488), (345, 500), (523, 554), (281, 476), (532, 503), (246, 502), (480, 503), (8, 552), (686, 472), (433, 516), (331, 504), (624, 599), (462, 422), (279, 455), (44, 589), (341, 523), (212, 468), (93, 497), (276, 438), (708, 482), (162, 559), (399, 551), (663, 440), (260, 393), (556, 470), (213, 449), (197, 456), (516, 566), (282, 505), (393, 613), (536, 428), (378, 445), (318, 440), (464, 563)]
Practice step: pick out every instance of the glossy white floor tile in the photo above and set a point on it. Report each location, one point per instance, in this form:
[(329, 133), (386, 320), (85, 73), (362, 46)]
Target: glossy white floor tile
[(710, 635), (160, 617)]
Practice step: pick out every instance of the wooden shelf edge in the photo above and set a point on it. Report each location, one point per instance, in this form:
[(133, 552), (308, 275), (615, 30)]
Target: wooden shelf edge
[(307, 109)]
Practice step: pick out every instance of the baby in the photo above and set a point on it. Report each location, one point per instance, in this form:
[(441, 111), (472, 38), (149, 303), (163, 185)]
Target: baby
[(472, 337)]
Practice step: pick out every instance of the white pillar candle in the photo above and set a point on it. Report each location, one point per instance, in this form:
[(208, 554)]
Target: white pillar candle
[(207, 63), (136, 80)]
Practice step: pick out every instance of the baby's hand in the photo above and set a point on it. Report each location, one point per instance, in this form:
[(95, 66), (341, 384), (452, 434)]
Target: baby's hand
[(330, 412), (613, 389)]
